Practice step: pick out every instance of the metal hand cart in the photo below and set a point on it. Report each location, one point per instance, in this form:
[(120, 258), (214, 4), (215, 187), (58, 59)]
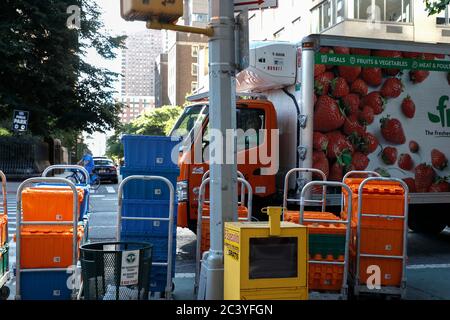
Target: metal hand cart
[(245, 186), (170, 219), (20, 223), (344, 289), (358, 173), (287, 200), (5, 275), (86, 194), (360, 288)]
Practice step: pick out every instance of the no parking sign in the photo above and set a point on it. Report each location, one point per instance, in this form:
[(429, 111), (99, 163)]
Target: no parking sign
[(20, 121)]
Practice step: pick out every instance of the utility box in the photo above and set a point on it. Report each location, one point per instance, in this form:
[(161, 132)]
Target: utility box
[(166, 11), (266, 261)]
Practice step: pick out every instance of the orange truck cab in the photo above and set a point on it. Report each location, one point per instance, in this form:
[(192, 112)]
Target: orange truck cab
[(257, 118)]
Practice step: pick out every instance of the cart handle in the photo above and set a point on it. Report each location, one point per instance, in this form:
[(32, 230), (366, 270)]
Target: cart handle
[(171, 220), (19, 222), (304, 170), (405, 221), (68, 167), (5, 198), (351, 173)]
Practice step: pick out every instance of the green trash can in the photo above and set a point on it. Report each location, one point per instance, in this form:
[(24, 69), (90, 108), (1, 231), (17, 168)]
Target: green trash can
[(116, 270)]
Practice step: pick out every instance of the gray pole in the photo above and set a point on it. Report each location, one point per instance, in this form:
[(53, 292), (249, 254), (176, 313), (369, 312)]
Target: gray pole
[(222, 115)]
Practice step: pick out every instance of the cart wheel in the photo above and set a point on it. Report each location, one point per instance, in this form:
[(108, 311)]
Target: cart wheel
[(4, 293)]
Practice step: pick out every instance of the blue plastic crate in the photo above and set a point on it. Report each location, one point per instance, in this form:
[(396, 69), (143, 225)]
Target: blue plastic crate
[(152, 153), (146, 209), (159, 250), (46, 285), (149, 190)]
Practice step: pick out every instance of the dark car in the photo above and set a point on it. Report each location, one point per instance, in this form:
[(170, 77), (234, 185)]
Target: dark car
[(106, 170)]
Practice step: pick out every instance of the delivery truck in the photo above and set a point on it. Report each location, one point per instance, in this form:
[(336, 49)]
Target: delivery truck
[(339, 104)]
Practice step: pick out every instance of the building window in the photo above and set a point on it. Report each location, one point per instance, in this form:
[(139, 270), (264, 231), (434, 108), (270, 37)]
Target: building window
[(195, 51), (194, 86), (444, 17), (399, 11), (194, 70)]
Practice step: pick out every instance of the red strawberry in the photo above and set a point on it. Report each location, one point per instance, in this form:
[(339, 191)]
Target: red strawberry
[(351, 125), (327, 116), (414, 147), (389, 54), (322, 83), (372, 76), (320, 141), (366, 116), (360, 87), (409, 107), (336, 172), (319, 69), (389, 155), (360, 51), (439, 56), (360, 161), (325, 50), (411, 55), (418, 76), (341, 50), (375, 101), (438, 159), (424, 175), (339, 88), (440, 185), (370, 143), (350, 74), (428, 56), (320, 162), (392, 88), (392, 130), (338, 145), (350, 104), (411, 184), (405, 162)]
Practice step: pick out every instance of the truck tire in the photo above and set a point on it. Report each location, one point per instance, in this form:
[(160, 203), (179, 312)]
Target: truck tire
[(424, 222)]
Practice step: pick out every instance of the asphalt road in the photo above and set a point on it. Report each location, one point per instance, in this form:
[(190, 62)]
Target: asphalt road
[(428, 269)]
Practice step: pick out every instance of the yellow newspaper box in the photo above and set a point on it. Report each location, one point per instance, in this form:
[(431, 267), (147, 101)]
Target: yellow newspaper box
[(167, 11), (266, 261)]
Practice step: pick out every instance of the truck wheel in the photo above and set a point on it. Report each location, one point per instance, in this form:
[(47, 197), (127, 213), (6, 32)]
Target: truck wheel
[(4, 293), (421, 222)]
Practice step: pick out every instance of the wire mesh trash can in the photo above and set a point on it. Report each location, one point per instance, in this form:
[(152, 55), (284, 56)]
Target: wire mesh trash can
[(116, 270)]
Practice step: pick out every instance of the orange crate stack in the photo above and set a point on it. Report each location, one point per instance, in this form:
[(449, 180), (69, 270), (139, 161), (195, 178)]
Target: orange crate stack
[(293, 216), (205, 241), (49, 204), (3, 231), (378, 236), (47, 246)]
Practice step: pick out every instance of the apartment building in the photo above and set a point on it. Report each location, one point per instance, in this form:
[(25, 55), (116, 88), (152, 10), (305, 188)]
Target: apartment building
[(161, 87), (134, 106)]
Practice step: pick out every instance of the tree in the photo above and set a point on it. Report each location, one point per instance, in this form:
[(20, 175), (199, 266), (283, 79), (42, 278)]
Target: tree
[(435, 7), (44, 71), (157, 122)]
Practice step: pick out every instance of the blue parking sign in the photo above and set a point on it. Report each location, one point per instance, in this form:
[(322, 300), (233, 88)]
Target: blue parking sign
[(20, 121)]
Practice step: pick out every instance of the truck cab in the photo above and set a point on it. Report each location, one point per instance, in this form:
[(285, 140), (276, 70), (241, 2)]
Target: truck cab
[(255, 119)]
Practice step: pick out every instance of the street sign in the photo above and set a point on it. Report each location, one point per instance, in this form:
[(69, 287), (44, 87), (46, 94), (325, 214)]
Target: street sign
[(240, 5), (20, 121), (242, 40)]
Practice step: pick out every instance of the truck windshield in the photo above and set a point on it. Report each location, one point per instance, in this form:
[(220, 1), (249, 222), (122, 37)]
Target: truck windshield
[(191, 117)]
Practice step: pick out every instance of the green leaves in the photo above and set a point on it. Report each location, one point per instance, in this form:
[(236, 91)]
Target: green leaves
[(435, 7), (434, 118)]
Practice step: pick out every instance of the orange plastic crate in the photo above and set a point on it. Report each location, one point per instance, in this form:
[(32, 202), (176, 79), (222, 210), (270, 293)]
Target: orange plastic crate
[(293, 216), (47, 246), (49, 204), (325, 277), (205, 241), (3, 231)]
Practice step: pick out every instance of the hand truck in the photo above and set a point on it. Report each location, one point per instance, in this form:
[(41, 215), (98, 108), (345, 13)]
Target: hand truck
[(201, 201), (344, 289), (20, 223), (385, 290), (6, 275), (169, 263)]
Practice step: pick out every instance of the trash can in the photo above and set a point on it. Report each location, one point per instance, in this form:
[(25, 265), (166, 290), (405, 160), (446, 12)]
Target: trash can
[(116, 270)]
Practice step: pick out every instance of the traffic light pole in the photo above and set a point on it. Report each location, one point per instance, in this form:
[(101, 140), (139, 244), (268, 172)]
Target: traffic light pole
[(223, 160)]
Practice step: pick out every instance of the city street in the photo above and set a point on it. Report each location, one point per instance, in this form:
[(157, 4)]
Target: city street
[(428, 266)]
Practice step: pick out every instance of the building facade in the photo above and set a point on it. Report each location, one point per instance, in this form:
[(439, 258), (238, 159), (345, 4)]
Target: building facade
[(134, 106), (161, 87)]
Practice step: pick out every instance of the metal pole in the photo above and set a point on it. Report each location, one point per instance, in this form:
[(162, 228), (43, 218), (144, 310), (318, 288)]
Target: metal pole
[(222, 118)]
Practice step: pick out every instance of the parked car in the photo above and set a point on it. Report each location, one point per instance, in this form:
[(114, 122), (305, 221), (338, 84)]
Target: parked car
[(106, 169)]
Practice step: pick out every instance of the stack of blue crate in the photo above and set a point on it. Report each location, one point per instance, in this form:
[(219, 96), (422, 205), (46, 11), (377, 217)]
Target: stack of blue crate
[(150, 156)]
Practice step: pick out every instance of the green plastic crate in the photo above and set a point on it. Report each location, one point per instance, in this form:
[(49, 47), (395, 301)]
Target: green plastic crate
[(4, 259), (326, 244)]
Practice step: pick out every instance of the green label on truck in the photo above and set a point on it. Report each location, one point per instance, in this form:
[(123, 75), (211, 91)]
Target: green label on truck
[(382, 62)]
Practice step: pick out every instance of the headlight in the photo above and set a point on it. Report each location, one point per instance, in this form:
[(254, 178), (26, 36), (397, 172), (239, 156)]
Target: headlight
[(182, 191)]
